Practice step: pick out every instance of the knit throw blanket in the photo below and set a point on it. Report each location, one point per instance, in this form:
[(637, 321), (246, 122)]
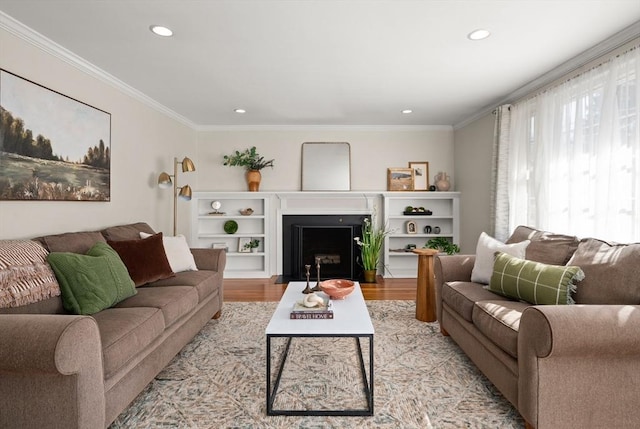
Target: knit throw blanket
[(25, 275)]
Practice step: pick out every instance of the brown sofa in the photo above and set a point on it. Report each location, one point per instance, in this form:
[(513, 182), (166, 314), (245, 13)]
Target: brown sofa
[(69, 371), (561, 366)]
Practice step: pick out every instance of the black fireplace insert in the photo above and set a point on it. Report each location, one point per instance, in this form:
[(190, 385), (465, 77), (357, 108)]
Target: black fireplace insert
[(327, 238)]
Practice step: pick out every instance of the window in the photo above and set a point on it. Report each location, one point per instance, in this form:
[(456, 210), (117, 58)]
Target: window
[(574, 154)]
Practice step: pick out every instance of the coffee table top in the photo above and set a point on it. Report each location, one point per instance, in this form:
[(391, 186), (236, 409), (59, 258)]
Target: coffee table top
[(351, 316)]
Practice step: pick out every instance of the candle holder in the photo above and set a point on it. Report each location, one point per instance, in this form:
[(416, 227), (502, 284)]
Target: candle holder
[(307, 289), (316, 288)]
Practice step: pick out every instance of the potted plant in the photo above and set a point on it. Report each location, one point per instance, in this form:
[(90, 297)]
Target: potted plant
[(371, 248), (252, 162), (443, 245), (252, 245)]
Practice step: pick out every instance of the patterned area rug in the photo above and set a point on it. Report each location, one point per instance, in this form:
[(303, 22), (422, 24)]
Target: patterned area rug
[(422, 379)]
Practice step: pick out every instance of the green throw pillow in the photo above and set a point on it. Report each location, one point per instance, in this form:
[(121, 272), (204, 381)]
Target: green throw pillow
[(92, 282), (533, 282)]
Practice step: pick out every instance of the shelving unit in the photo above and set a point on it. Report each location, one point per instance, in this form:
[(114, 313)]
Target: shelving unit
[(445, 208), (208, 230)]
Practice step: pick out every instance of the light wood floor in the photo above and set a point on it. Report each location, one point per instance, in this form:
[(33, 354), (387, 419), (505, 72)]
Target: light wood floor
[(268, 290)]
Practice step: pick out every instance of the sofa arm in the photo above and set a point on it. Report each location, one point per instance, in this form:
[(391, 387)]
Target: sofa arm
[(578, 366), (449, 268), (51, 372), (210, 259)]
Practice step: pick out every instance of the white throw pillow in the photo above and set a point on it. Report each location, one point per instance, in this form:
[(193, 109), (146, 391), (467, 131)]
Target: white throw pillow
[(485, 256), (178, 253)]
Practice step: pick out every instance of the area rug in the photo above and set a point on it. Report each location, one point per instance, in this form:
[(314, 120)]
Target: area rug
[(422, 379)]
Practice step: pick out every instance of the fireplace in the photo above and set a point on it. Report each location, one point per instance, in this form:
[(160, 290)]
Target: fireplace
[(327, 237)]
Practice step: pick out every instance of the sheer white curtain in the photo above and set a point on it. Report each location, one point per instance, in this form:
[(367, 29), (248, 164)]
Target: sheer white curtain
[(574, 155), (500, 174)]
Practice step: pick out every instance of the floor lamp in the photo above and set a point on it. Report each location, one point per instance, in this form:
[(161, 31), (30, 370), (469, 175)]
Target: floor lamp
[(165, 181)]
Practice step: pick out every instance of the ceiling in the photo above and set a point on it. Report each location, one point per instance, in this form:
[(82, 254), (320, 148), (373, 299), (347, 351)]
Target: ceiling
[(325, 62)]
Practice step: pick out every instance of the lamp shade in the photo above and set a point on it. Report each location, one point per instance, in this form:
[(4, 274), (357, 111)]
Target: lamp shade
[(185, 192), (187, 165), (164, 180)]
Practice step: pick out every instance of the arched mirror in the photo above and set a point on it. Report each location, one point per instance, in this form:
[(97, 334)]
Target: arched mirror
[(326, 166)]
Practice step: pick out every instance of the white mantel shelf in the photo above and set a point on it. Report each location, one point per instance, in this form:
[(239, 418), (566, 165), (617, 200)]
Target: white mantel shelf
[(266, 222)]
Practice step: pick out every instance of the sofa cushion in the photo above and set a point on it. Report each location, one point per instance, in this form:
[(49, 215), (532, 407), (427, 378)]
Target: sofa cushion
[(178, 253), (461, 297), (125, 332), (92, 282), (485, 250), (499, 321), (545, 247), (206, 282), (534, 282), (74, 242), (611, 272), (126, 232), (25, 276), (145, 259), (173, 301)]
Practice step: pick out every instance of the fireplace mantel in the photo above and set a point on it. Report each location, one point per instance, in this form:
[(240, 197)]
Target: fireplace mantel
[(270, 207), (266, 222)]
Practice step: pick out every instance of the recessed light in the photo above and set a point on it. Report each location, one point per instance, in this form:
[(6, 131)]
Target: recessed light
[(407, 111), (240, 111), (479, 34), (161, 31)]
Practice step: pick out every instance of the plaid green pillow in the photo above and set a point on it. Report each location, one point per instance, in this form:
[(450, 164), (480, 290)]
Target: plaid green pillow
[(533, 282)]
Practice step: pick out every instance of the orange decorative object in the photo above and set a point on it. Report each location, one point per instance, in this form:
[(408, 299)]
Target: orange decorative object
[(337, 289), (253, 180)]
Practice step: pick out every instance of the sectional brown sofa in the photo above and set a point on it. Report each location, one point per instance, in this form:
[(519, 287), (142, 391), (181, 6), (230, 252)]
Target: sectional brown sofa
[(561, 366), (59, 370)]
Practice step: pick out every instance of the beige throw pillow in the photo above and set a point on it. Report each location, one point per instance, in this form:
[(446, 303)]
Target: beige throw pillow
[(178, 253), (485, 255)]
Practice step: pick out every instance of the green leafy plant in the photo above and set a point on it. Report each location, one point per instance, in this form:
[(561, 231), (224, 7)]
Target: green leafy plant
[(249, 159), (371, 244), (443, 245), (252, 244)]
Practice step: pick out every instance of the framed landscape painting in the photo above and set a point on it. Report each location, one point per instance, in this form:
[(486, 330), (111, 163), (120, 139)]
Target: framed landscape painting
[(400, 179), (52, 147)]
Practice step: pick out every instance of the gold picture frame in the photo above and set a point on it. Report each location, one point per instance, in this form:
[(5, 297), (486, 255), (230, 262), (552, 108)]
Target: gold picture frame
[(420, 175), (400, 179)]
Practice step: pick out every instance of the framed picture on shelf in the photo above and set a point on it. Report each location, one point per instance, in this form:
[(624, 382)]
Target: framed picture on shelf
[(400, 179), (243, 245), (411, 227), (420, 175)]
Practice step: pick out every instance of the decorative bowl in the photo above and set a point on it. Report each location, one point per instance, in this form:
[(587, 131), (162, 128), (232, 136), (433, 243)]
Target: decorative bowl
[(246, 212), (230, 227), (338, 288)]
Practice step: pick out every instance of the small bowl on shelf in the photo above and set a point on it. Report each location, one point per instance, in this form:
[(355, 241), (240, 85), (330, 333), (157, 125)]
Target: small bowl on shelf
[(337, 288), (246, 212)]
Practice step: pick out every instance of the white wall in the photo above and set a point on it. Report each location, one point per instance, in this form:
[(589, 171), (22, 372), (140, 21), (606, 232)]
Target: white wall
[(472, 158), (143, 142), (373, 150)]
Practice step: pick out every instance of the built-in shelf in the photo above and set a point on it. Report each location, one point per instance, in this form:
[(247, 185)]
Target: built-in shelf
[(207, 230), (445, 209), (269, 207)]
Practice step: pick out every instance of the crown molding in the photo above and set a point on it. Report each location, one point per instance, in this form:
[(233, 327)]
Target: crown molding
[(396, 128), (45, 44), (618, 40)]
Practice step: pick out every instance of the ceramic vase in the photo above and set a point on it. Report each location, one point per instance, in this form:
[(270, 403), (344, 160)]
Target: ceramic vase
[(253, 180), (442, 181)]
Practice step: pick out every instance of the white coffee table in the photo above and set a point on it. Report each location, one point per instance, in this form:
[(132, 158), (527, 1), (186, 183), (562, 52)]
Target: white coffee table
[(351, 319)]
